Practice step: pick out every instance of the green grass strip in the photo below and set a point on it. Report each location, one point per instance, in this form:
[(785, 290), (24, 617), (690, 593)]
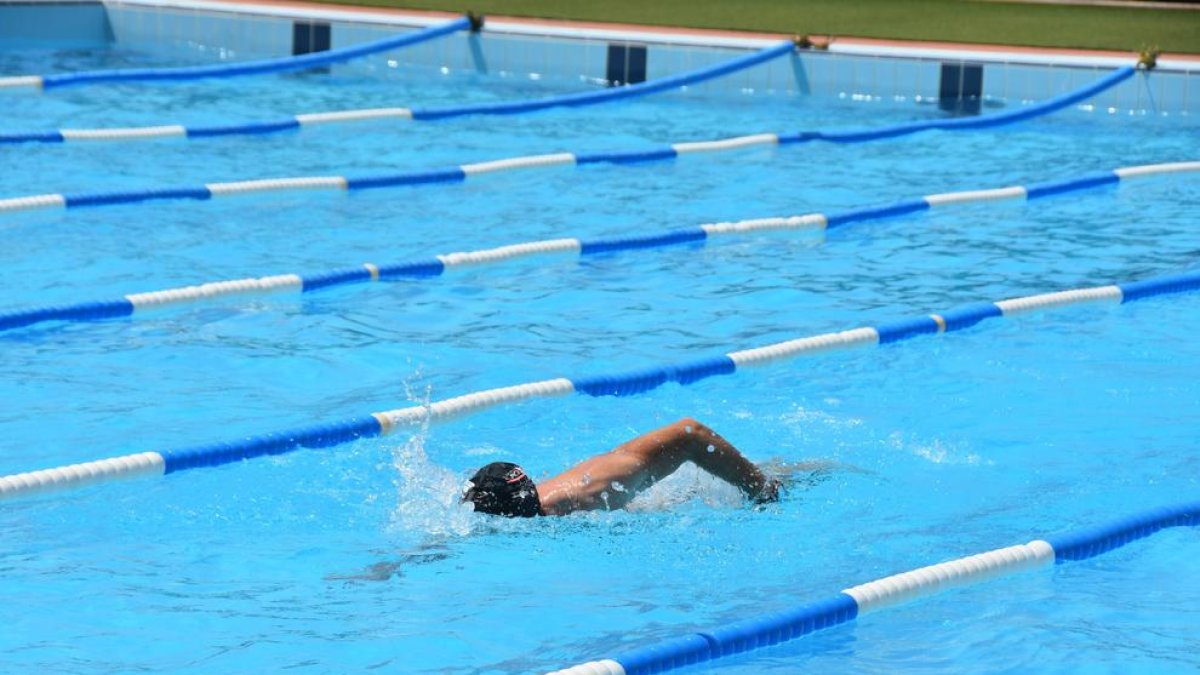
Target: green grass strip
[(1128, 29)]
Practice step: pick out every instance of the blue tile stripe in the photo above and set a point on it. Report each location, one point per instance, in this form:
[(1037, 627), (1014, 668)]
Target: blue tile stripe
[(771, 629), (277, 65), (626, 383), (431, 267), (589, 98)]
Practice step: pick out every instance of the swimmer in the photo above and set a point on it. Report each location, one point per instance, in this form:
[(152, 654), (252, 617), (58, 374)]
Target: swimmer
[(613, 479)]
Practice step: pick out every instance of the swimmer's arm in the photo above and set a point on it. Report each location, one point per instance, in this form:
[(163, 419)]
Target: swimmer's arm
[(607, 481), (710, 451), (611, 480), (662, 451)]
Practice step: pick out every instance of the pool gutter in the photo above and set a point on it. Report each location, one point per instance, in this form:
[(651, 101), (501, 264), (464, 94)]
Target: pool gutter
[(679, 36)]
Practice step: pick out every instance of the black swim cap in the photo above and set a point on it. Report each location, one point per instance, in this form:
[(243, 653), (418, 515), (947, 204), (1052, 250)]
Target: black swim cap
[(503, 489)]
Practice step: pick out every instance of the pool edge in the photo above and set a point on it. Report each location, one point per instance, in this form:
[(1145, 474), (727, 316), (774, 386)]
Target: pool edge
[(679, 35)]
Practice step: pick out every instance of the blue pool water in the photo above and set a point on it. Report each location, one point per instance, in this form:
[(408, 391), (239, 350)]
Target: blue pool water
[(358, 557)]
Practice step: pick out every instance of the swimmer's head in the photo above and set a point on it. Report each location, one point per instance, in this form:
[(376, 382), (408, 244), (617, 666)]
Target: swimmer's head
[(503, 489)]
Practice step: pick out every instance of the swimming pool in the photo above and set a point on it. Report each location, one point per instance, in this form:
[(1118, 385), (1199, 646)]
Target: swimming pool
[(357, 556)]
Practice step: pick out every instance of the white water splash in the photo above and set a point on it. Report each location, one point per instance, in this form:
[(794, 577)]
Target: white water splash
[(802, 417), (688, 483), (485, 450), (936, 451), (428, 495)]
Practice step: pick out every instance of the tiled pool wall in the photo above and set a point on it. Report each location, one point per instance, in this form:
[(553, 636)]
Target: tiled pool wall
[(69, 24), (197, 32)]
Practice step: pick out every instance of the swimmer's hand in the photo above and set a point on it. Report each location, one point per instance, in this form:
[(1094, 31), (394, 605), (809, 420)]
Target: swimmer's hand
[(787, 476), (769, 492)]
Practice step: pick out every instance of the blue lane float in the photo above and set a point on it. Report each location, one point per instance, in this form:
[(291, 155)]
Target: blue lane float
[(588, 98), (262, 127), (628, 383), (976, 122), (613, 94), (225, 70), (464, 172), (437, 265), (852, 603)]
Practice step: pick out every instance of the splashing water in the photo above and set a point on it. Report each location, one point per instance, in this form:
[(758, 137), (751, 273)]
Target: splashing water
[(428, 495), (936, 451), (687, 483)]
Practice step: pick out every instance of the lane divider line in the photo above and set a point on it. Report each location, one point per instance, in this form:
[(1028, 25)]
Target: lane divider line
[(460, 173), (281, 64), (851, 603), (295, 122), (439, 264), (628, 383)]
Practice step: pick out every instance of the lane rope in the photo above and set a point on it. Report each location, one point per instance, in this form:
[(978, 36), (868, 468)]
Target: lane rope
[(283, 64), (139, 303), (851, 603), (261, 127), (627, 383), (460, 173)]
